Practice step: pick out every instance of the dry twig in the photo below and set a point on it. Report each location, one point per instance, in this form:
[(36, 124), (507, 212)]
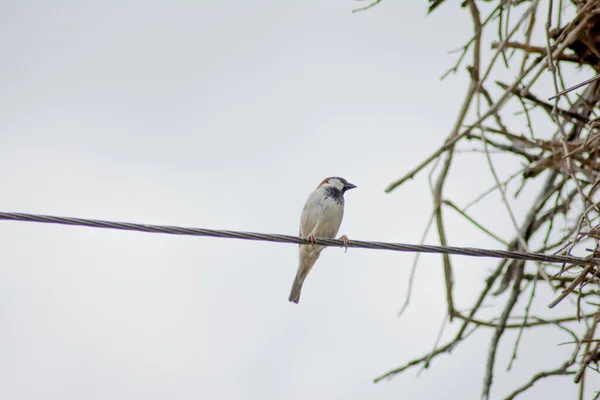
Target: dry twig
[(564, 163)]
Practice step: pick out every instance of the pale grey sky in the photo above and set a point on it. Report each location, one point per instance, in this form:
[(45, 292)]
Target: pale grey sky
[(226, 115)]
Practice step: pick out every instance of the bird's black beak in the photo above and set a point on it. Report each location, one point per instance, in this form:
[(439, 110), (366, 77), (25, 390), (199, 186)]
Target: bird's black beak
[(348, 186)]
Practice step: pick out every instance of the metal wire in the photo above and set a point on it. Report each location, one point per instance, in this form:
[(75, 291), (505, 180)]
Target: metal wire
[(176, 230)]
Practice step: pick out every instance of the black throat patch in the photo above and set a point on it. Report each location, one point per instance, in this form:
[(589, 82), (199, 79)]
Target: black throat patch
[(335, 194)]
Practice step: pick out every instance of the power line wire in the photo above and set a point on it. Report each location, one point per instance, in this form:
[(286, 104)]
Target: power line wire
[(176, 230)]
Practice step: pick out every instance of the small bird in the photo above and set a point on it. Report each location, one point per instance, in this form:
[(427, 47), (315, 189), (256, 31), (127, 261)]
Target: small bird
[(321, 217)]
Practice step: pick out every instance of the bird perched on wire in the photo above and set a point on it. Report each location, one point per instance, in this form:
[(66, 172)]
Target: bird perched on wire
[(321, 217)]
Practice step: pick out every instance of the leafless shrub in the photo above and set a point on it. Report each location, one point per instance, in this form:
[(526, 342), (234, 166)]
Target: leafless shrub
[(563, 161)]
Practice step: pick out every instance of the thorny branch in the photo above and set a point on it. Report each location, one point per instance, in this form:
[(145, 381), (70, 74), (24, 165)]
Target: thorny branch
[(563, 162)]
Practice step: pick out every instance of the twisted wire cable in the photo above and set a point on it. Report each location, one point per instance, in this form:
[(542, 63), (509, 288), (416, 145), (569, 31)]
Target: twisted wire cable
[(276, 238)]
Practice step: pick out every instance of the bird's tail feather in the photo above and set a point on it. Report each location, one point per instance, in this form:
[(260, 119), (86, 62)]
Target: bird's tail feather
[(308, 258), (295, 292)]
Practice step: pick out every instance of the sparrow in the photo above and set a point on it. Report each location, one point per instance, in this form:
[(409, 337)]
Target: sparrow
[(321, 217)]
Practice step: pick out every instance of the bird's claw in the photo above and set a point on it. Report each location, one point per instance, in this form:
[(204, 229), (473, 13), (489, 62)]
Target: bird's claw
[(346, 241), (312, 239)]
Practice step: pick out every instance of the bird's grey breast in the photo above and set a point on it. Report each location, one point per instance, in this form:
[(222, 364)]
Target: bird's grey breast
[(322, 212), (332, 212)]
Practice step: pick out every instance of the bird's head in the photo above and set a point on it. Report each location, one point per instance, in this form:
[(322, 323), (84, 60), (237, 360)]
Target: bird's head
[(337, 183)]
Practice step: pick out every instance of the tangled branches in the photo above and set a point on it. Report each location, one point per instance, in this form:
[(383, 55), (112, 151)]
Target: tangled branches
[(562, 160)]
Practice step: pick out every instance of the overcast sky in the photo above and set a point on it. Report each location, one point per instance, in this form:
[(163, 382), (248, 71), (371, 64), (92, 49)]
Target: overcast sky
[(226, 115)]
